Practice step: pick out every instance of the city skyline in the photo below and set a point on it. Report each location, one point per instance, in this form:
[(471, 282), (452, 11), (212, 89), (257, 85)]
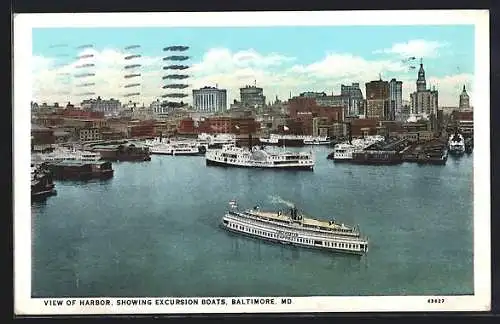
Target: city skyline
[(234, 57)]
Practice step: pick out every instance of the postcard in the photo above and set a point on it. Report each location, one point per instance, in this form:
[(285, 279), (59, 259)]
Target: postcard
[(251, 162)]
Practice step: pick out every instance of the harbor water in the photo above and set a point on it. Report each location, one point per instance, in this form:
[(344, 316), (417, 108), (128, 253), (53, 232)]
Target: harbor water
[(153, 230)]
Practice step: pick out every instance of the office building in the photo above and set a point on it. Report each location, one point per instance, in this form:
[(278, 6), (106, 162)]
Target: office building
[(377, 100), (252, 97), (210, 99)]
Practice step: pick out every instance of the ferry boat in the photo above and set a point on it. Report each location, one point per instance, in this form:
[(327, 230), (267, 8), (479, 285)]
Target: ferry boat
[(456, 144), (256, 157), (294, 228), (177, 148), (344, 151)]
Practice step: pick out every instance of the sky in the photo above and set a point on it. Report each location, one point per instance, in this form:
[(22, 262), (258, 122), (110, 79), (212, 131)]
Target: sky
[(282, 59)]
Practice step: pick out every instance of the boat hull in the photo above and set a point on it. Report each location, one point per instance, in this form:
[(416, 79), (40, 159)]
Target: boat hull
[(281, 167), (291, 244)]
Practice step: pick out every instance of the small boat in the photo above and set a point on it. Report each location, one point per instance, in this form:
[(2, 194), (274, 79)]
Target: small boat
[(294, 228)]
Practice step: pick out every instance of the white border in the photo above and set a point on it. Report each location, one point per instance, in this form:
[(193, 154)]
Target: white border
[(23, 24)]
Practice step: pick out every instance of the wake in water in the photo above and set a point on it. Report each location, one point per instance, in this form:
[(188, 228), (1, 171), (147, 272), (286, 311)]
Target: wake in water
[(279, 200)]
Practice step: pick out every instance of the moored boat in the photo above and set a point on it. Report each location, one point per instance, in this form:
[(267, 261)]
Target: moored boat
[(343, 152), (294, 228), (79, 170), (456, 144), (42, 184), (258, 157), (177, 148), (123, 152)]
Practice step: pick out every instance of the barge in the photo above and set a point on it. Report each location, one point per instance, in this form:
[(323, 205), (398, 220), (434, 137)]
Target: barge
[(81, 170), (376, 157)]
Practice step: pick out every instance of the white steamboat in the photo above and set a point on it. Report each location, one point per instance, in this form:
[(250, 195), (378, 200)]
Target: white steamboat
[(294, 140), (177, 148), (456, 144), (216, 140), (256, 157), (67, 154), (294, 228)]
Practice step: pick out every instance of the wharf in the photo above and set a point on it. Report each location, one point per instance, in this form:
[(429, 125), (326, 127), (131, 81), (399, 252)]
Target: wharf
[(432, 152), (122, 152)]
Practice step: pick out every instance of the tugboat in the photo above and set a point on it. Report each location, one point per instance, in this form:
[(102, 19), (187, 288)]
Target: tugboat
[(469, 145), (294, 228), (42, 184)]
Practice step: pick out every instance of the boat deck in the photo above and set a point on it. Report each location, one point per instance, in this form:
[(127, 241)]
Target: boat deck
[(310, 222)]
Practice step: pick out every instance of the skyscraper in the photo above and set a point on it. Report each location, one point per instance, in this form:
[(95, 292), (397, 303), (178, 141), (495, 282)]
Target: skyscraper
[(354, 98), (395, 98), (252, 97), (210, 99), (377, 100)]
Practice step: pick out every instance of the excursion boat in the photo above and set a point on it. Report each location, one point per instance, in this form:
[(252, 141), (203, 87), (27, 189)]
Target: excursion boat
[(319, 140), (177, 148), (343, 152), (294, 140), (256, 157), (66, 154), (294, 228), (215, 140), (456, 144)]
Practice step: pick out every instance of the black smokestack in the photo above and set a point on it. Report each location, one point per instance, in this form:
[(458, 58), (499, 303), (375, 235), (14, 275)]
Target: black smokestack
[(250, 141), (349, 132)]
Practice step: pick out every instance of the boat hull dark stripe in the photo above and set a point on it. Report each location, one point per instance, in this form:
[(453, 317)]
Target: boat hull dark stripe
[(185, 154), (292, 244), (222, 164)]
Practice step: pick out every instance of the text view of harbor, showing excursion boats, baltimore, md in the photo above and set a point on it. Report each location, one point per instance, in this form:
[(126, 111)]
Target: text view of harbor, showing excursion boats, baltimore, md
[(179, 168)]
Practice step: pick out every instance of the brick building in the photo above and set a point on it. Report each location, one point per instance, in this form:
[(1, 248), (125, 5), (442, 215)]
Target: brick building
[(42, 138), (228, 125), (187, 126)]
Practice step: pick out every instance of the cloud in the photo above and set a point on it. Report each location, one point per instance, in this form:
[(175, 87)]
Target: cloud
[(230, 70), (347, 66), (218, 60), (417, 48)]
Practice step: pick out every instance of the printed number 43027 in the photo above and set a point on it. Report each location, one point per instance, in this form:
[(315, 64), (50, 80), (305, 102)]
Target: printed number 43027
[(435, 301)]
